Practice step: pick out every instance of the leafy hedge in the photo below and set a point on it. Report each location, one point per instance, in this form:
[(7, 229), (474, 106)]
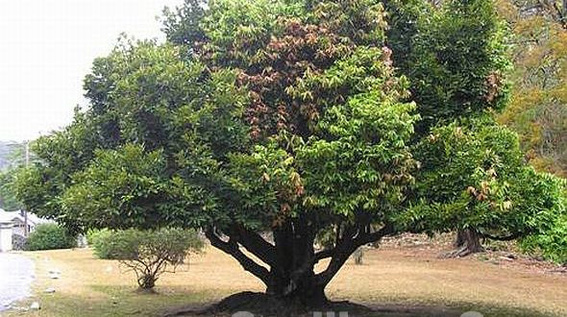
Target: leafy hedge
[(101, 242), (551, 244), (49, 236), (551, 240)]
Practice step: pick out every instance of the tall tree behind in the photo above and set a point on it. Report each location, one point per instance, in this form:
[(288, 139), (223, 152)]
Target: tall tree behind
[(11, 157), (538, 109)]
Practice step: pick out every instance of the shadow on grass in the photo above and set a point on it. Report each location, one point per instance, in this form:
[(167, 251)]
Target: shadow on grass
[(365, 309), (183, 301), (456, 310)]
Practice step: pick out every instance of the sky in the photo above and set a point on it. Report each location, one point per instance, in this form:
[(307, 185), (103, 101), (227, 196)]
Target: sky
[(46, 49)]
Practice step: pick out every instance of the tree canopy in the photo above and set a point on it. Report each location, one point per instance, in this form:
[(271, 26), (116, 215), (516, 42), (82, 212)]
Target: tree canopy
[(265, 123)]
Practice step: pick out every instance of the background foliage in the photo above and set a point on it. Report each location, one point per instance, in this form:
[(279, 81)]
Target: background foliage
[(50, 236)]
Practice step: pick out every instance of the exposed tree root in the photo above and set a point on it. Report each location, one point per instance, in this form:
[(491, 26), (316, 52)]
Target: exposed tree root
[(459, 253), (261, 304), (466, 243)]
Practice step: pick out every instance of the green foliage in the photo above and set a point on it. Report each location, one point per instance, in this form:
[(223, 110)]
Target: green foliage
[(12, 158), (100, 241), (550, 240), (184, 142), (552, 244), (148, 253), (49, 236), (458, 60), (134, 192), (473, 176), (8, 200)]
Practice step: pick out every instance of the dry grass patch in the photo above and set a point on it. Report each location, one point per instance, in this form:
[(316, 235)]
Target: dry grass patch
[(390, 279)]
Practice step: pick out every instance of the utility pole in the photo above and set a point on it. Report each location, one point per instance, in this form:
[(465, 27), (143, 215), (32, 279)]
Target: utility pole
[(27, 162)]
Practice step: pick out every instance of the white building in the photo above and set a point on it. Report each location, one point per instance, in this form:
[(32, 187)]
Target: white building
[(14, 222), (5, 236)]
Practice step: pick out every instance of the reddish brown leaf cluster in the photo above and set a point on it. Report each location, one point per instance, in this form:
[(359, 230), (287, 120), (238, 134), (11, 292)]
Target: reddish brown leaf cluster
[(494, 83), (279, 67)]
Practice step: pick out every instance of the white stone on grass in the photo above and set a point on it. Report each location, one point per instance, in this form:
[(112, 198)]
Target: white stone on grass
[(35, 306)]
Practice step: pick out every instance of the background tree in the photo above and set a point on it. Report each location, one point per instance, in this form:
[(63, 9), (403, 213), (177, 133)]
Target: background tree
[(455, 56), (12, 156), (499, 198), (8, 200), (539, 99)]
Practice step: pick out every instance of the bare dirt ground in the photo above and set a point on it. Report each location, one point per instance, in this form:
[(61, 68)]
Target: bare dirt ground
[(404, 277)]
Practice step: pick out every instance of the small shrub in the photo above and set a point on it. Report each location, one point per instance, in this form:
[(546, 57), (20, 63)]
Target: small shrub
[(551, 244), (101, 242), (49, 236), (148, 253)]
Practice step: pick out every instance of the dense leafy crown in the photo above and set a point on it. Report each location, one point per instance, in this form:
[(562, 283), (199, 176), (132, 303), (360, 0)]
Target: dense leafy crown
[(261, 113), (257, 112), (474, 177)]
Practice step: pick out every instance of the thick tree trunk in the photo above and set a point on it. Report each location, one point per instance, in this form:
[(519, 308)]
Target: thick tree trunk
[(289, 276), (467, 242), (304, 292), (293, 277)]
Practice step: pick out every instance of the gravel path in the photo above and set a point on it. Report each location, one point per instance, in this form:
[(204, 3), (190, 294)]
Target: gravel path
[(16, 275)]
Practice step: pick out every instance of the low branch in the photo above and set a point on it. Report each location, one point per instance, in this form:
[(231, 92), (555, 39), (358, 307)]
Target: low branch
[(323, 254), (231, 248), (388, 229), (347, 246), (255, 244), (506, 238)]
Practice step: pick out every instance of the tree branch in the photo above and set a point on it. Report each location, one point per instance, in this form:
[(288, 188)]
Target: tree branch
[(254, 243), (388, 229), (231, 248), (347, 245), (323, 254)]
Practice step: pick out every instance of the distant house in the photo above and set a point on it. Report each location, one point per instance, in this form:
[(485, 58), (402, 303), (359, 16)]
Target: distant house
[(18, 220), (13, 223)]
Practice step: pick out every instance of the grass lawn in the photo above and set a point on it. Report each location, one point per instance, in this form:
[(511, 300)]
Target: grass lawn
[(408, 281)]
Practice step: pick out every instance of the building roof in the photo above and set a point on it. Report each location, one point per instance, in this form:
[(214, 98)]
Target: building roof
[(10, 216)]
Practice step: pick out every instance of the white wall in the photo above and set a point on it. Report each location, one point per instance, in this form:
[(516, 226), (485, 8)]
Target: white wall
[(5, 236)]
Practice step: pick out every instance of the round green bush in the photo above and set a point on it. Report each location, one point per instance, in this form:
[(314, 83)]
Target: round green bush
[(101, 240), (49, 236), (148, 253)]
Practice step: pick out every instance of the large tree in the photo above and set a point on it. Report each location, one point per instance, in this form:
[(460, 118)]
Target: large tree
[(266, 123)]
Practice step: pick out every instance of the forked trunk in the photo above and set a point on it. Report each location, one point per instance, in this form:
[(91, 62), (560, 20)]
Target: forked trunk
[(293, 277), (289, 270)]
